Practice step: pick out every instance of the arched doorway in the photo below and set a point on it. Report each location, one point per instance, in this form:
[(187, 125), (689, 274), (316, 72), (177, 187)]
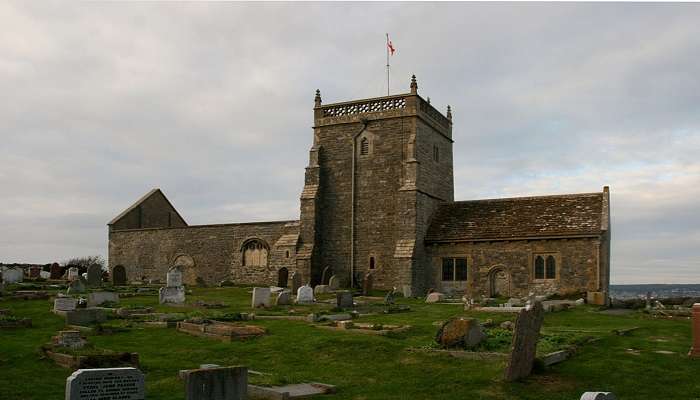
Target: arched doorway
[(185, 264), (282, 277), (119, 275), (499, 282)]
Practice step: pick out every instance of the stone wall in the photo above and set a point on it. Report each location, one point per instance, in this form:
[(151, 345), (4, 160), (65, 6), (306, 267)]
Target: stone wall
[(154, 211), (215, 251), (577, 265)]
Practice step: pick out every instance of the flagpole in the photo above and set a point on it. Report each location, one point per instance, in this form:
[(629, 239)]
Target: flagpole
[(387, 64)]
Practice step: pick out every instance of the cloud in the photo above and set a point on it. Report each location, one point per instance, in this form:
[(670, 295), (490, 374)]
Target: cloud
[(213, 102)]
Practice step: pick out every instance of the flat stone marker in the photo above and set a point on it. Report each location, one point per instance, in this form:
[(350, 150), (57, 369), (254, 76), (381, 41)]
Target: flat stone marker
[(305, 295), (174, 295), (334, 283), (97, 298), (85, 316), (598, 396), (173, 278), (261, 297), (296, 281), (64, 304), (106, 384), (226, 383), (695, 349), (94, 275), (525, 335), (70, 339), (343, 299)]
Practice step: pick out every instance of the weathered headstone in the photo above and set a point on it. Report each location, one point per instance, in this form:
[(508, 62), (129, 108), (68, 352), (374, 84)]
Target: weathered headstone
[(34, 272), (435, 297), (45, 274), (407, 291), (296, 281), (334, 283), (284, 298), (94, 275), (225, 383), (173, 278), (525, 335), (261, 297), (598, 396), (64, 304), (77, 286), (70, 339), (56, 271), (695, 349), (97, 298), (367, 284), (106, 384), (85, 316), (13, 275), (73, 273), (321, 289), (174, 295), (390, 298), (464, 332), (119, 275), (343, 299), (326, 275), (305, 295)]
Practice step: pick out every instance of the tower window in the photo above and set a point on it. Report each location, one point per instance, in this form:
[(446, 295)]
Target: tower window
[(436, 153), (364, 146), (371, 263)]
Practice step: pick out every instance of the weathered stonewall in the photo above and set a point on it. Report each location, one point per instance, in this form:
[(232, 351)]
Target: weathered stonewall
[(261, 297), (94, 275), (97, 298), (334, 283), (695, 349), (465, 332), (525, 335), (305, 295), (598, 396), (226, 383), (64, 304), (174, 295), (367, 284), (284, 298), (106, 384), (343, 299), (296, 281)]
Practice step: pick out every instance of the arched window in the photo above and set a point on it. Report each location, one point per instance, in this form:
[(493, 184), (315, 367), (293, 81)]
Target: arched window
[(255, 253), (364, 146), (539, 267), (551, 268), (371, 263)]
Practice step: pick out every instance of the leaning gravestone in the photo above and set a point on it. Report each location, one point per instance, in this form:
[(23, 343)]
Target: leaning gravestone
[(261, 297), (119, 276), (106, 384), (94, 275), (223, 383), (367, 284), (305, 295), (334, 283), (296, 281), (525, 335), (326, 275)]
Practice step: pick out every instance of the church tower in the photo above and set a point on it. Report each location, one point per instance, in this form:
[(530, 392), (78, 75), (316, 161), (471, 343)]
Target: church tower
[(377, 170)]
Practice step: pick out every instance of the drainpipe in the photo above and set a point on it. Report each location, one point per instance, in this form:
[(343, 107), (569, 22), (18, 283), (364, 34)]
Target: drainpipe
[(352, 207)]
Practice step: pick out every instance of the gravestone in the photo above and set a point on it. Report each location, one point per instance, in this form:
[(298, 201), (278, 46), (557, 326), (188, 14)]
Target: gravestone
[(56, 271), (524, 346), (45, 274), (343, 299), (173, 278), (334, 283), (224, 383), (465, 332), (435, 297), (367, 284), (261, 297), (73, 273), (695, 349), (94, 275), (70, 339), (305, 295), (13, 275), (173, 295), (106, 384), (296, 281), (97, 298), (407, 291), (34, 272), (64, 304), (598, 396), (326, 275), (119, 275), (284, 298), (77, 286), (321, 289), (85, 316)]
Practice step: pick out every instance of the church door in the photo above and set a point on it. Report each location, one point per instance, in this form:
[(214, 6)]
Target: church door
[(500, 283), (282, 277)]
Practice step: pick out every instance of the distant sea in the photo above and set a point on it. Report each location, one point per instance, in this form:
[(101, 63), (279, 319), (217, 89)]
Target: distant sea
[(657, 290)]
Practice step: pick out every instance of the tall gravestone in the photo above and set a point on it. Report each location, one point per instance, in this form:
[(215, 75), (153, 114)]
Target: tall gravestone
[(119, 275), (94, 275), (261, 297), (56, 271), (106, 384), (224, 383), (524, 346), (296, 281), (173, 292)]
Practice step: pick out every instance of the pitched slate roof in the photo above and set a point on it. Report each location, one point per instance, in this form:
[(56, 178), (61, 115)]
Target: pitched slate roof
[(141, 200), (519, 217)]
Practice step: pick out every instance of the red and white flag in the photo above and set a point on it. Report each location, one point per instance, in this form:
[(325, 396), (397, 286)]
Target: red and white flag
[(389, 45)]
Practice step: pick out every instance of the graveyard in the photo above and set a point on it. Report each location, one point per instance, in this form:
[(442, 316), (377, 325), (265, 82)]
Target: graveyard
[(374, 347)]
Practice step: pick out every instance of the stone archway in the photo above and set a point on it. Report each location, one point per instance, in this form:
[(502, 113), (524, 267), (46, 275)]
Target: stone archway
[(185, 264), (499, 282), (119, 275), (282, 277)]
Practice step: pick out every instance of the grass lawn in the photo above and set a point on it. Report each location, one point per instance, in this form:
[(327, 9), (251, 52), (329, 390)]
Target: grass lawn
[(365, 366)]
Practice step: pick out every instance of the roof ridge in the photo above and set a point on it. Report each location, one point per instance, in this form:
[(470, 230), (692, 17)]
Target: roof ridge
[(526, 197)]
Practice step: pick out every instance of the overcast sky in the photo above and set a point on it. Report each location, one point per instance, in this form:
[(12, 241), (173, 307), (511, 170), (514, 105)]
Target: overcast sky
[(100, 102)]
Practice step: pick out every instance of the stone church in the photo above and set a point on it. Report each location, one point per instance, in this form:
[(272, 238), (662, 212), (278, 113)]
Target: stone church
[(378, 197)]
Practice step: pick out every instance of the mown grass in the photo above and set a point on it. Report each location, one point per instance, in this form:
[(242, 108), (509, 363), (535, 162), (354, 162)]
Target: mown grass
[(371, 367)]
